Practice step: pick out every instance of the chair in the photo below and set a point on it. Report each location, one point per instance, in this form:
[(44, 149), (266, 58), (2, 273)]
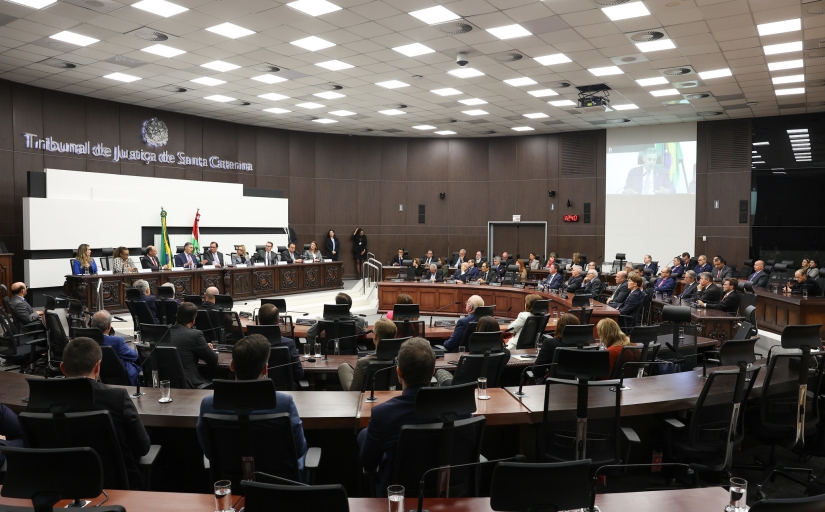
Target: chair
[(272, 333), (733, 351), (468, 331), (165, 292), (89, 332), (578, 336), (133, 294), (279, 373), (106, 258), (203, 322), (140, 312), (532, 329), (344, 330), (167, 310), (481, 342), (224, 301), (808, 504), (797, 336), (378, 376), (388, 349), (21, 348), (166, 362), (674, 319), (112, 370), (242, 442), (275, 301), (57, 335), (194, 299), (629, 354), (472, 366), (153, 333), (647, 336), (747, 328), (413, 329), (583, 314), (570, 489), (232, 329), (259, 497)]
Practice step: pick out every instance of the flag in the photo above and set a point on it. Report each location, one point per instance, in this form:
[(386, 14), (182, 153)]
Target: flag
[(672, 158), (165, 247), (196, 233)]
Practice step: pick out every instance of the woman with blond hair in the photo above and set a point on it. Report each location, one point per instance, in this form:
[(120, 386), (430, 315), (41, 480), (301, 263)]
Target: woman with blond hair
[(83, 262), (614, 339), (240, 257)]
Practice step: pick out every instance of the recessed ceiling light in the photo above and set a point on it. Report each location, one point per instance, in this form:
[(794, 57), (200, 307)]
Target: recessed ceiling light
[(803, 159), (627, 106), (789, 79), (465, 72), (774, 49), (606, 71), (276, 110), (779, 27), (313, 43), (435, 15), (392, 84), (414, 50), (561, 103), (444, 132), (475, 112), (798, 130), (658, 80), (335, 65), (269, 79), (801, 148), (329, 95), (163, 50), (542, 93), (625, 11), (473, 101), (655, 46), (665, 92), (788, 64), (424, 127), (342, 113), (804, 142), (391, 112), (314, 7), (518, 82), (754, 152), (449, 91), (756, 157), (717, 73), (803, 155), (760, 162), (220, 98), (509, 31), (34, 4), (230, 30), (160, 7), (72, 38), (122, 77), (273, 96), (219, 65), (536, 115), (309, 105), (798, 136), (549, 60), (761, 143), (785, 92), (523, 129), (208, 81), (324, 121)]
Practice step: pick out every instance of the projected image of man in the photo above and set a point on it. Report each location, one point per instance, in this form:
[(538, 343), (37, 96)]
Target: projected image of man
[(649, 178)]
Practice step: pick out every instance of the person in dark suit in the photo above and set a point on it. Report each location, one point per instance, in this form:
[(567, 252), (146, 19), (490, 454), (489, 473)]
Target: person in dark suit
[(129, 357), (487, 276), (82, 358), (332, 246), (621, 292), (250, 356), (759, 277), (151, 260), (708, 292), (720, 269), (472, 270), (212, 256), (399, 259), (554, 279), (270, 257), (649, 178), (352, 379), (359, 249), (458, 333), (433, 274), (21, 309), (290, 256), (186, 259), (341, 298), (730, 300), (691, 291), (269, 315), (479, 259), (702, 265), (11, 433), (147, 297), (803, 282), (428, 259), (191, 345), (634, 299), (677, 270), (461, 258), (462, 275), (574, 284), (665, 284), (500, 264), (650, 266), (592, 284)]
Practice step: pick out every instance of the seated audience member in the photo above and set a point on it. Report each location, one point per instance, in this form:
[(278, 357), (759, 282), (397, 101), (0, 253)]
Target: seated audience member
[(352, 379), (472, 271), (517, 324), (20, 308), (686, 260), (702, 265), (577, 260), (147, 297), (151, 260), (442, 262), (634, 299), (534, 263), (548, 348), (121, 263), (401, 298), (462, 258), (240, 258), (83, 263), (677, 270), (212, 256), (550, 260), (82, 358), (649, 265), (665, 284), (485, 324), (191, 345), (554, 279), (720, 269), (313, 253), (691, 291), (730, 299), (708, 291), (522, 269), (614, 339), (803, 282), (591, 265), (290, 256), (418, 268), (497, 266), (428, 259), (629, 268), (433, 275), (186, 259), (341, 298), (479, 259), (11, 434), (503, 263), (621, 292), (592, 284), (460, 275), (487, 276), (813, 271), (759, 277), (804, 264), (103, 320), (574, 284), (250, 356), (270, 257), (399, 259), (269, 315), (461, 325)]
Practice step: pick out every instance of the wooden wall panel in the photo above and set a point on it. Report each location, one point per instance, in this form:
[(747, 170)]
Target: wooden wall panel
[(467, 160), (301, 155), (531, 158), (272, 153), (428, 159), (220, 138)]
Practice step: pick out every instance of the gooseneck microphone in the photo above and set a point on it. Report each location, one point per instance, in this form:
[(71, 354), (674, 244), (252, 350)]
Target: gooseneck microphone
[(441, 309), (372, 398), (524, 372), (356, 335)]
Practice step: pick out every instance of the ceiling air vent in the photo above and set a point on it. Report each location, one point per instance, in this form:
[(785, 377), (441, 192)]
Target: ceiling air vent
[(455, 27), (686, 85), (678, 71), (562, 84), (94, 3), (267, 68), (697, 96), (628, 59), (815, 54), (174, 88), (240, 103), (608, 3), (647, 35), (815, 83), (149, 34), (58, 63), (508, 56), (816, 8)]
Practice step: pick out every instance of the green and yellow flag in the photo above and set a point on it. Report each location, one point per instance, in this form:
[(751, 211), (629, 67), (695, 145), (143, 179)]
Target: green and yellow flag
[(166, 254)]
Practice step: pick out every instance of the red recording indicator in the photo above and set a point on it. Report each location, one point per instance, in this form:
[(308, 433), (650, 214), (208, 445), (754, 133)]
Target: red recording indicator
[(571, 218)]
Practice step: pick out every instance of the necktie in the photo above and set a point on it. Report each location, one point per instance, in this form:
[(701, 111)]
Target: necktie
[(267, 258), (189, 259), (752, 276), (648, 186)]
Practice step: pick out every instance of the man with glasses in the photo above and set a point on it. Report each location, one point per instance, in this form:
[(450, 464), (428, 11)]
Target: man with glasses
[(458, 333), (213, 256)]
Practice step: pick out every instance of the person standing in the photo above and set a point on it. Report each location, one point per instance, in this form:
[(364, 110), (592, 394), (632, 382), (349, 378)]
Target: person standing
[(332, 245), (359, 249)]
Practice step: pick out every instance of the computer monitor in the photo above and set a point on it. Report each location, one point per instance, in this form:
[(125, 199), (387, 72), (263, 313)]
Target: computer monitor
[(332, 311), (484, 311), (405, 311)]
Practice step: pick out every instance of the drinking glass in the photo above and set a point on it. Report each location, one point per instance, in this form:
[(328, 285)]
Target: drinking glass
[(805, 293), (165, 391), (317, 349), (461, 350), (681, 333), (482, 389), (738, 495), (395, 494), (775, 288), (337, 349), (223, 496), (538, 345), (306, 351)]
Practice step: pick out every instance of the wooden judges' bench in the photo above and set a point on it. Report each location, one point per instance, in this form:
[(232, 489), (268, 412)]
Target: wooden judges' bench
[(239, 282)]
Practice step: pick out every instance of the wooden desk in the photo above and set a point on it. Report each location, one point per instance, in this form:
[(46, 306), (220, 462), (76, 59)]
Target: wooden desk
[(775, 311), (712, 323), (239, 282)]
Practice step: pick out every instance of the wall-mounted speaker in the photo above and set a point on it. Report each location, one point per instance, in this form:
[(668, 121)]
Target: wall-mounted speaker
[(421, 218), (421, 208), (551, 193), (743, 211), (586, 207), (442, 195), (586, 217), (569, 204)]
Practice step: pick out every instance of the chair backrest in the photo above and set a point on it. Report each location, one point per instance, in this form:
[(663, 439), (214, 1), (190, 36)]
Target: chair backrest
[(343, 330), (272, 333), (259, 497), (468, 331), (58, 339), (481, 342), (540, 307), (166, 361), (141, 310), (281, 375), (166, 292), (531, 330), (152, 333), (628, 354), (676, 314), (167, 309), (578, 335), (387, 350), (275, 301), (112, 371), (405, 311), (795, 336), (779, 401), (194, 299), (224, 301), (89, 332), (481, 311), (472, 366), (574, 362), (733, 351), (384, 379), (133, 294), (644, 334), (415, 329), (203, 322), (570, 489)]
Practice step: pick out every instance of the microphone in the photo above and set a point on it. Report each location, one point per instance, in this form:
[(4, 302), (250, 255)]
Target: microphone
[(372, 398), (446, 480), (440, 309), (635, 363), (690, 467), (356, 335), (138, 393), (524, 372), (282, 365)]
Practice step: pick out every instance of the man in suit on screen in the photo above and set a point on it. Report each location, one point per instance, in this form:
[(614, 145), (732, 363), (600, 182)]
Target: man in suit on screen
[(649, 179)]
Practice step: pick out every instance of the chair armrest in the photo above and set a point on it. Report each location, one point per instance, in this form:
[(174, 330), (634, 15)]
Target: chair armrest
[(303, 384), (205, 385), (631, 435), (206, 463), (313, 458), (674, 423), (149, 459), (717, 361)]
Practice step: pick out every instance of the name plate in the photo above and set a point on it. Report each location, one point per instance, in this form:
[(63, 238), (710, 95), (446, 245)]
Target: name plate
[(144, 270), (327, 260), (283, 263), (495, 284), (208, 267), (104, 272), (177, 269), (521, 286), (260, 264)]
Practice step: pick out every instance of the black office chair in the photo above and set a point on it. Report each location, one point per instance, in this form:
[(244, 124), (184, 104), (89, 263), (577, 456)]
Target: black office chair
[(194, 299), (584, 314), (647, 336), (578, 335), (242, 441), (167, 310), (165, 292), (224, 301), (489, 365), (410, 328), (259, 497), (532, 330), (106, 258), (747, 328), (133, 294), (570, 489), (343, 330), (153, 333), (674, 319), (140, 312), (280, 374), (204, 323), (629, 354), (23, 349), (272, 333), (808, 504), (481, 342), (468, 331), (58, 339), (166, 362), (89, 332), (733, 351), (378, 376)]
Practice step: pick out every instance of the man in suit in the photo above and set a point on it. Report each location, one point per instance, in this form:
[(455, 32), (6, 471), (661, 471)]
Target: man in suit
[(730, 299), (352, 379), (720, 269), (151, 260), (147, 297), (487, 276), (269, 315), (685, 259), (650, 266), (665, 284), (458, 333), (250, 356), (341, 298), (554, 279), (433, 274), (759, 277), (677, 270), (634, 299), (21, 309), (290, 256), (708, 292), (702, 265), (500, 266), (212, 256), (129, 357), (191, 345), (186, 259), (479, 259), (428, 259), (472, 270), (649, 179), (574, 284), (399, 260), (460, 275), (803, 282), (691, 291), (621, 292), (270, 256), (82, 358), (592, 284), (462, 258)]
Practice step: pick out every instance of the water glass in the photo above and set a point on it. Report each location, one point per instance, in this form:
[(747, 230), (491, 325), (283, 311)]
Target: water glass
[(482, 389), (681, 333), (775, 288), (461, 350), (317, 350), (223, 496), (738, 495), (306, 351), (804, 293), (538, 345), (165, 392), (395, 494)]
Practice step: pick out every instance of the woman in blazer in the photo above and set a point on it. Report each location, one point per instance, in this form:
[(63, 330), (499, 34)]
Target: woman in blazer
[(359, 249), (121, 263), (240, 258), (83, 262), (313, 254), (332, 246)]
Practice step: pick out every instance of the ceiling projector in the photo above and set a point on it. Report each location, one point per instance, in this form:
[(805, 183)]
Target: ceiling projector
[(593, 104)]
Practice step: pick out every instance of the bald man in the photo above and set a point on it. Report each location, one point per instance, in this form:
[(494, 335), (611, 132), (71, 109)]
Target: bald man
[(759, 277), (472, 303), (209, 297), (21, 309)]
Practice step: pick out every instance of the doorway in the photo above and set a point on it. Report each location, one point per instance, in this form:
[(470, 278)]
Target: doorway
[(519, 239)]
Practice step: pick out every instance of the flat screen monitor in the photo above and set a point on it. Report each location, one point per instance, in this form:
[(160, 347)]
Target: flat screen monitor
[(332, 311)]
